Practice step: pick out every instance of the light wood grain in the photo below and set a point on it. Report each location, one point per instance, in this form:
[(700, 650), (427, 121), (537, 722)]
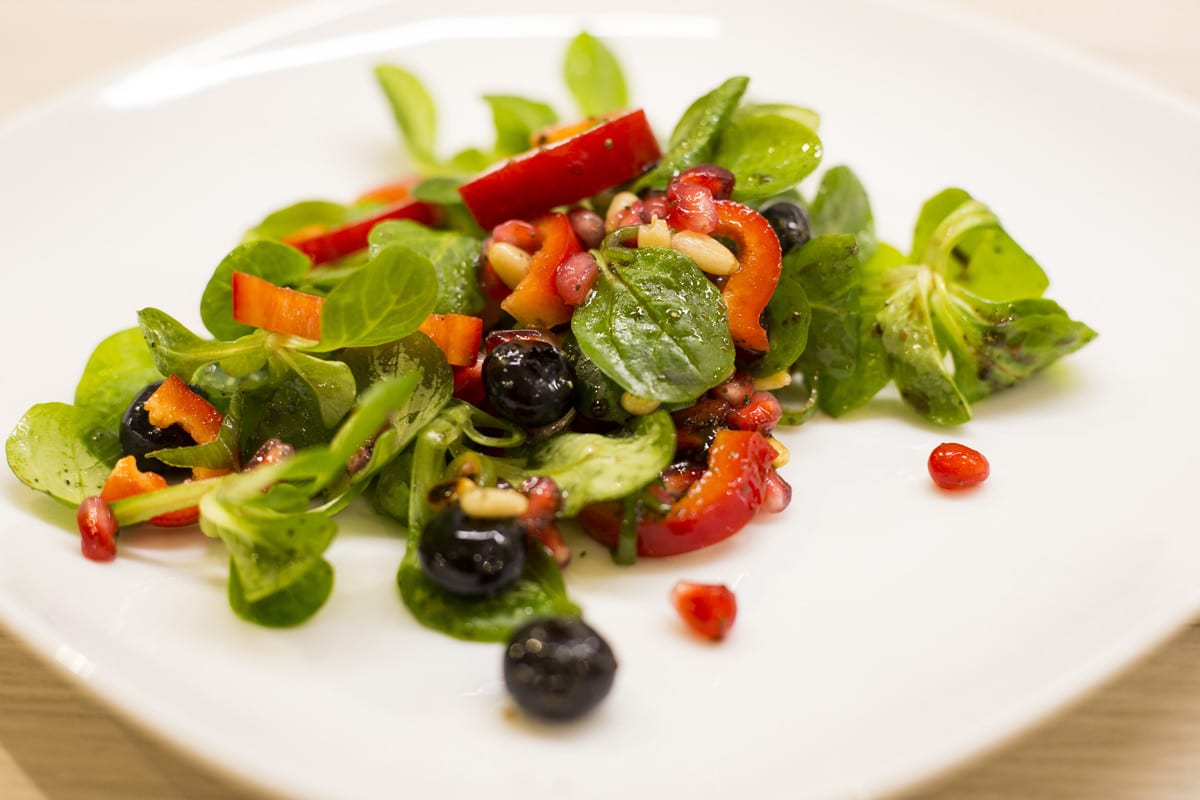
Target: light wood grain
[(1138, 739)]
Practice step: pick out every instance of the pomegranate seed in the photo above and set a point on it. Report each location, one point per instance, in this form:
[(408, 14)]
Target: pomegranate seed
[(656, 205), (736, 390), (956, 466), (708, 608), (777, 493), (761, 413), (692, 207), (519, 233), (575, 278), (97, 529), (540, 517), (588, 227), (718, 180), (272, 451), (631, 215)]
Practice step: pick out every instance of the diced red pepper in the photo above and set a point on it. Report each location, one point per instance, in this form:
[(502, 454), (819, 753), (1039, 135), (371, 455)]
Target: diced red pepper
[(126, 480), (262, 304), (761, 413), (468, 384), (174, 403), (748, 290), (716, 506), (563, 172), (458, 335), (536, 301), (330, 245)]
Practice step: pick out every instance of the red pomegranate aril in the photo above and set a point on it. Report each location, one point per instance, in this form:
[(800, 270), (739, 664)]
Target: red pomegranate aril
[(518, 233), (575, 278), (656, 205), (97, 529), (762, 413), (540, 518), (956, 466), (692, 207), (272, 451), (777, 493), (708, 608), (588, 227), (718, 180), (630, 215), (736, 390)]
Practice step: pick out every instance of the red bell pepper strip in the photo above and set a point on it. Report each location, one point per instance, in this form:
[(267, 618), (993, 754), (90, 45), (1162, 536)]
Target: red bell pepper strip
[(174, 403), (259, 303), (716, 506), (458, 335), (748, 290), (536, 302), (330, 245), (563, 172), (126, 480)]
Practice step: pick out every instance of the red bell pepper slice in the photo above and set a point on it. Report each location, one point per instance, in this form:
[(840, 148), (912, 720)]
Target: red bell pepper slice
[(536, 302), (563, 172), (330, 245), (174, 403), (458, 335), (748, 290), (716, 506), (261, 304), (126, 480)]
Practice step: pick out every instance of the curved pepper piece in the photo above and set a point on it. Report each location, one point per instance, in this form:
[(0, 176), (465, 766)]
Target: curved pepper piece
[(458, 336), (126, 480), (716, 506), (329, 245), (536, 303), (748, 290)]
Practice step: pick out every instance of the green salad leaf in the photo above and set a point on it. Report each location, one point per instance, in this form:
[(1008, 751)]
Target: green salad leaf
[(767, 153), (842, 206), (695, 138), (594, 76), (453, 255), (414, 111), (270, 260), (516, 120), (656, 325)]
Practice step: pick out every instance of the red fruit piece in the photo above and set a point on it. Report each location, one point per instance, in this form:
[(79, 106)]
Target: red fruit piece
[(97, 529), (708, 608), (956, 466), (692, 207)]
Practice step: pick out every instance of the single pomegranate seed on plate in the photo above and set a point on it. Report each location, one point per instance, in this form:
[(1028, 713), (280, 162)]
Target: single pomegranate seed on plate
[(708, 608), (956, 466), (97, 529)]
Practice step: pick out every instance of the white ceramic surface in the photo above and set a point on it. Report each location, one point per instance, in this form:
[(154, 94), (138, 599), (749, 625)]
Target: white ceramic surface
[(887, 630)]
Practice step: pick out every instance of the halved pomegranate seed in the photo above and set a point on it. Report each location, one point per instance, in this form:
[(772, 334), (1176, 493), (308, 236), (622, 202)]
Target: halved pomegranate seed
[(709, 609)]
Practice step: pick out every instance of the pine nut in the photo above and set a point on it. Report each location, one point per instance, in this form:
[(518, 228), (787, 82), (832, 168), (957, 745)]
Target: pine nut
[(510, 262), (784, 456), (776, 380), (656, 234), (620, 202), (638, 406), (490, 502), (709, 254)]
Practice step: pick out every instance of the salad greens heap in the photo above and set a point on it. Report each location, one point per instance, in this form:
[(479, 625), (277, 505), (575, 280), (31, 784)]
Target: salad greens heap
[(372, 407)]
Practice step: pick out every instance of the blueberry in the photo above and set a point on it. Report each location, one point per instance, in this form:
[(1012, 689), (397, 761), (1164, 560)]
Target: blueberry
[(529, 382), (790, 223), (469, 556), (139, 437), (558, 668)]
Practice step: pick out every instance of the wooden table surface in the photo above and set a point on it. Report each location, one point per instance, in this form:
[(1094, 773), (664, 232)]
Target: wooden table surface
[(1137, 739)]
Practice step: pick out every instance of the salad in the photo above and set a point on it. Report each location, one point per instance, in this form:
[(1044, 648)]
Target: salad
[(578, 326)]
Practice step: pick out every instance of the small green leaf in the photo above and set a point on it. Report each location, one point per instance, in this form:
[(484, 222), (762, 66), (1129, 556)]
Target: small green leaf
[(178, 351), (805, 116), (385, 300), (278, 263), (767, 153), (594, 76), (590, 468), (827, 268), (119, 368), (694, 140), (330, 382), (454, 257), (842, 206), (414, 110), (516, 120), (288, 607), (305, 214), (61, 450)]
